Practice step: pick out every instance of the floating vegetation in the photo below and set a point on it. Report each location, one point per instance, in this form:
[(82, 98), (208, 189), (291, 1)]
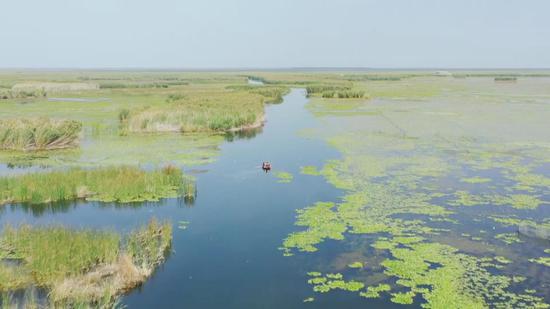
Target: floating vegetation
[(519, 201), (309, 300), (80, 267), (284, 177), (475, 180), (374, 291), (309, 170), (541, 260), (109, 184), (356, 265), (508, 238), (323, 284), (393, 196), (38, 134), (403, 298)]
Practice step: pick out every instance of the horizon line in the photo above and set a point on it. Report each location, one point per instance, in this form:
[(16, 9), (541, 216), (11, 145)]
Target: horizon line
[(245, 69)]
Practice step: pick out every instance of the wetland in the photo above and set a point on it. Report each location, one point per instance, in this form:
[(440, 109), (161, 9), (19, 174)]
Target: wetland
[(388, 189)]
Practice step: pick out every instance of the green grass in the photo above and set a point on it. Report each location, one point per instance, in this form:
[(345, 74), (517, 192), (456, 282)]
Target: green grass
[(213, 111), (53, 253), (108, 184), (81, 267), (38, 134)]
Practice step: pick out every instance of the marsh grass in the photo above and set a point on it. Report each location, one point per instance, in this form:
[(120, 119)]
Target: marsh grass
[(52, 253), (38, 134), (202, 112), (81, 268), (506, 79), (108, 184), (325, 89), (272, 94)]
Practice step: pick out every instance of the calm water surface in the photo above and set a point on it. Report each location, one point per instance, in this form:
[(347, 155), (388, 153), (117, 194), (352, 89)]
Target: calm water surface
[(228, 256)]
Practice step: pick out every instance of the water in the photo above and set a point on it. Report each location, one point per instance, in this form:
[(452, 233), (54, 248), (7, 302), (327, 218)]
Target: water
[(228, 256)]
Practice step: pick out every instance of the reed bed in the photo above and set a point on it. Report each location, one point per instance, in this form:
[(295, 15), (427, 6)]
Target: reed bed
[(201, 112), (343, 94), (506, 79), (109, 184), (320, 89), (272, 94), (80, 268), (38, 134)]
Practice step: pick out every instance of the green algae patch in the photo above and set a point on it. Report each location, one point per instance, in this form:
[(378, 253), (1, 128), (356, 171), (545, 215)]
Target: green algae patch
[(403, 298), (374, 291), (334, 281), (380, 190), (322, 223), (476, 180), (356, 265), (508, 238), (541, 260), (309, 300), (283, 177), (524, 201), (518, 201), (114, 184), (310, 170)]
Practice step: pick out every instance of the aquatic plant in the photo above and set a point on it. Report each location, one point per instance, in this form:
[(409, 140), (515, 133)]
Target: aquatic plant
[(109, 184), (475, 180), (284, 177), (309, 170), (314, 89), (356, 264), (403, 298), (323, 284), (209, 111), (81, 267), (374, 291), (541, 260), (38, 134), (350, 94), (380, 190)]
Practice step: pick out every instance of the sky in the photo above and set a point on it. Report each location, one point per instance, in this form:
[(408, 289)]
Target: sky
[(274, 34)]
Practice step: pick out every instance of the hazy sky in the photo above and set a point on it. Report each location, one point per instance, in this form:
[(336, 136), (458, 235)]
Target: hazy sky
[(274, 33)]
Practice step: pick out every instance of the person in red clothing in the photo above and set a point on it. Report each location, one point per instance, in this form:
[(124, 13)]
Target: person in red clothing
[(266, 166)]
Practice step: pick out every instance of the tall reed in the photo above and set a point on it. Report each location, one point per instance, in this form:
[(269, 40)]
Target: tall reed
[(109, 184), (38, 134)]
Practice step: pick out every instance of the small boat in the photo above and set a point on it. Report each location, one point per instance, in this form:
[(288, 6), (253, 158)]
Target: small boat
[(266, 166)]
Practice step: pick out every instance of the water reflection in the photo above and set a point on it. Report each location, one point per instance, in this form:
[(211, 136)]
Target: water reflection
[(243, 134)]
